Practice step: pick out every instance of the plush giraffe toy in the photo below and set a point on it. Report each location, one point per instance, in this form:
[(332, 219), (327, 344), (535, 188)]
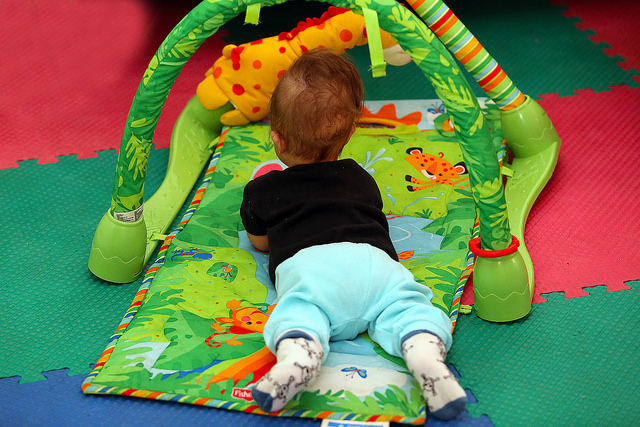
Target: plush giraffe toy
[(247, 74)]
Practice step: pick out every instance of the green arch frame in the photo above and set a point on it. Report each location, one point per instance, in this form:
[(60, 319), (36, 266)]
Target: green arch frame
[(123, 241), (410, 32), (503, 279)]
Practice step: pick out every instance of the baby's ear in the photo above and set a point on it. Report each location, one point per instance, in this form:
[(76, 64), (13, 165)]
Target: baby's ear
[(278, 140)]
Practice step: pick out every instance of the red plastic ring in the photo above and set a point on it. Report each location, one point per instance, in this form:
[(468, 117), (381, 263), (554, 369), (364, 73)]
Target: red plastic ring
[(474, 246)]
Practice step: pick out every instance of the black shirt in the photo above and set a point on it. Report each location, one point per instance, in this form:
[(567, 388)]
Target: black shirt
[(315, 204)]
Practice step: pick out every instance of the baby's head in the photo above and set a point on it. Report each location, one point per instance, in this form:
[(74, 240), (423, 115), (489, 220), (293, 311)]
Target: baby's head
[(315, 106)]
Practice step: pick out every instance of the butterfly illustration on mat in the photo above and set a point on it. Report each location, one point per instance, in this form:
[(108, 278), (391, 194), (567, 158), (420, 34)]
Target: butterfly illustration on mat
[(436, 109), (352, 371)]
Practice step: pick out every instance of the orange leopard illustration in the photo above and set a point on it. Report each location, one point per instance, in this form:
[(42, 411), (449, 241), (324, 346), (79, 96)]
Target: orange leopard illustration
[(435, 168)]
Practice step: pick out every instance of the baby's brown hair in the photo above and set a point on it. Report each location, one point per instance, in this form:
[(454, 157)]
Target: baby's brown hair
[(316, 104)]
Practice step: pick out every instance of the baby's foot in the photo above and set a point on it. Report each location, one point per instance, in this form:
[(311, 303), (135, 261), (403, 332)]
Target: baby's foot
[(424, 355), (298, 362)]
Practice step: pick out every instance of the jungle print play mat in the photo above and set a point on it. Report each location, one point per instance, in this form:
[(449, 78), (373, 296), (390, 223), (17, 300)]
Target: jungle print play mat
[(193, 331)]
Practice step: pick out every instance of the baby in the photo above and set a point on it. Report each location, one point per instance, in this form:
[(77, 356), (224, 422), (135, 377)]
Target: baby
[(330, 255)]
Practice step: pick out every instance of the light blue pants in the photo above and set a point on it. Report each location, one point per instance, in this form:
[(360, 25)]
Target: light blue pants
[(337, 291)]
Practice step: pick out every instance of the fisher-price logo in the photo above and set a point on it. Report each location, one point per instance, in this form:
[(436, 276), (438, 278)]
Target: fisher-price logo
[(242, 393)]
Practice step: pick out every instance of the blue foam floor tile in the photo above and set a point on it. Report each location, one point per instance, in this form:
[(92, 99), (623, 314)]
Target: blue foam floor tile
[(59, 401)]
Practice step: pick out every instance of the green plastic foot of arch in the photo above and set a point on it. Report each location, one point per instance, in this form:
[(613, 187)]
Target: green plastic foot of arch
[(500, 283), (504, 285), (535, 146), (120, 250), (117, 250)]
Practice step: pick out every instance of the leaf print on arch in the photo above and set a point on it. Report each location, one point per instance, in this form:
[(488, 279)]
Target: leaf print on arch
[(128, 202), (212, 24), (461, 98), (489, 197), (401, 18), (142, 122), (419, 54), (151, 68), (501, 237), (183, 50), (501, 220), (194, 34), (477, 124), (444, 61), (489, 190), (138, 153)]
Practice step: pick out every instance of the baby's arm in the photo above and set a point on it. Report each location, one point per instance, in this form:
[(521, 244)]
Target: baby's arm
[(261, 243), (252, 222)]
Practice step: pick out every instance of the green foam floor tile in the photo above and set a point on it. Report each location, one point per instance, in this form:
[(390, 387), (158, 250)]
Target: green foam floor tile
[(55, 313), (570, 362), (539, 48)]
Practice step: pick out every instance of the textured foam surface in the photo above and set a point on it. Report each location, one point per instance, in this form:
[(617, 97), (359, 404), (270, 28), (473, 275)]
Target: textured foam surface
[(518, 35), (55, 312), (596, 187), (71, 71), (571, 362), (67, 82), (539, 48), (605, 24), (60, 402)]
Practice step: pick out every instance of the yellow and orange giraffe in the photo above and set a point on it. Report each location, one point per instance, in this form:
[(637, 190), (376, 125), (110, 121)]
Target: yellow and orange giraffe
[(247, 74)]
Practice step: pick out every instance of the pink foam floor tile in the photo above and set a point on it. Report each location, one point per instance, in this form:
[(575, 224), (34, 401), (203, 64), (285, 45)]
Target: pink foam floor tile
[(616, 23), (586, 229), (71, 69)]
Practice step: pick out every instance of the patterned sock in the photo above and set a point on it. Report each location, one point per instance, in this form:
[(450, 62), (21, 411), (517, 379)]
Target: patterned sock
[(298, 362), (424, 354)]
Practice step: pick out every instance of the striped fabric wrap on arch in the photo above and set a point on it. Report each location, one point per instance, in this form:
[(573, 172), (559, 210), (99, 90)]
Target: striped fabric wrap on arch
[(468, 50)]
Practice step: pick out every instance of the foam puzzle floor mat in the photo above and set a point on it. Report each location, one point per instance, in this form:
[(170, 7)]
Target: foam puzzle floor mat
[(563, 365), (51, 301), (55, 303), (604, 28), (92, 75), (544, 51), (570, 362), (59, 398)]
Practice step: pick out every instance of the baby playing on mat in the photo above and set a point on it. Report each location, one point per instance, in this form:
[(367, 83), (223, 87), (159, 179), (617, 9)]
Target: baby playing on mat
[(330, 255)]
